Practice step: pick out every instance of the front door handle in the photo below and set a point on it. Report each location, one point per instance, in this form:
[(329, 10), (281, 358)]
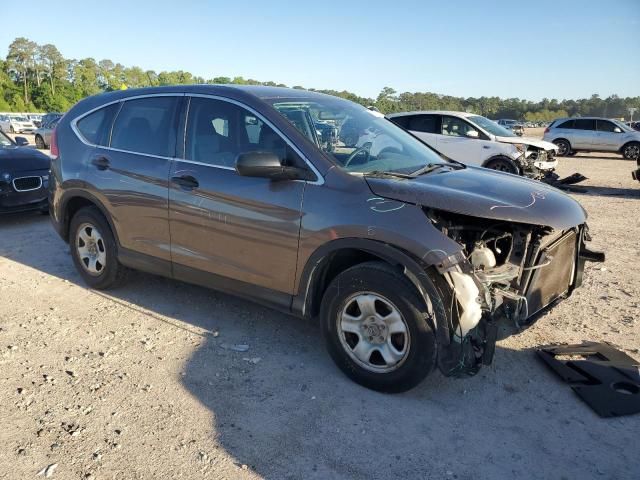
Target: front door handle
[(186, 181), (101, 162)]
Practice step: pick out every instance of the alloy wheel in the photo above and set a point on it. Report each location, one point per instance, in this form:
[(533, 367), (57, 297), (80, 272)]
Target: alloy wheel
[(632, 152), (91, 249)]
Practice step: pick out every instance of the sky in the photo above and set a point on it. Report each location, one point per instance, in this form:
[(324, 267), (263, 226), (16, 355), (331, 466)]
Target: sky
[(469, 48)]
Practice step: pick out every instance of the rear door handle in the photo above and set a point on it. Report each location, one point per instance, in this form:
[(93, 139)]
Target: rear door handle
[(186, 181), (101, 162)]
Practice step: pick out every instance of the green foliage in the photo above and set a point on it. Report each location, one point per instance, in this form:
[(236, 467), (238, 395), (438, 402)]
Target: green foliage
[(38, 78)]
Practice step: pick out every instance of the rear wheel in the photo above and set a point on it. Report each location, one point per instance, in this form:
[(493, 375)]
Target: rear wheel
[(503, 165), (631, 151), (40, 142), (93, 249), (564, 147), (376, 328)]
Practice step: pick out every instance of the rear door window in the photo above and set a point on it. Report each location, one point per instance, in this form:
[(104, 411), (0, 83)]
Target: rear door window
[(147, 125), (425, 123), (585, 124), (95, 127), (402, 121)]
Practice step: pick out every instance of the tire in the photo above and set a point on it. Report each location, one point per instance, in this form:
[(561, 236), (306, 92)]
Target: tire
[(40, 143), (503, 164), (387, 295), (564, 147), (11, 129), (105, 272), (631, 151)]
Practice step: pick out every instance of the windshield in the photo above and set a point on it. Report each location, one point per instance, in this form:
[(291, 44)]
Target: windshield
[(357, 139), (4, 140), (491, 126), (19, 119)]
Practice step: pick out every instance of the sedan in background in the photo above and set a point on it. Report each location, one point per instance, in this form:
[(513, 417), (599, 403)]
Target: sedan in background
[(476, 140), (24, 177), (43, 134)]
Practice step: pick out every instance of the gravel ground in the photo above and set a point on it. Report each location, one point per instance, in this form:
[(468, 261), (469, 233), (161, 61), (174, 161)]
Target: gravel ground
[(140, 382)]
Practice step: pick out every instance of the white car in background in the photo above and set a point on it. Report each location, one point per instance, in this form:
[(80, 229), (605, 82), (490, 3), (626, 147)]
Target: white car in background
[(476, 140), (4, 122), (17, 124)]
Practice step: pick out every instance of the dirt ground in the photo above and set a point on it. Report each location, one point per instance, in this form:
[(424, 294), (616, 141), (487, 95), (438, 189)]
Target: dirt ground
[(139, 382)]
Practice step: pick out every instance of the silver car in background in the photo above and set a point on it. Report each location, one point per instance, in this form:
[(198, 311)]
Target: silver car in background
[(43, 134), (593, 134)]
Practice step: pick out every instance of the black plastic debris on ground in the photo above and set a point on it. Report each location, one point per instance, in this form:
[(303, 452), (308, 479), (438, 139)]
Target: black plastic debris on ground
[(567, 183), (607, 379)]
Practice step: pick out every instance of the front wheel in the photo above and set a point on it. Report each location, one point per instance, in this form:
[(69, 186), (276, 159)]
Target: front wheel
[(93, 249), (376, 328), (564, 147), (503, 165), (631, 151)]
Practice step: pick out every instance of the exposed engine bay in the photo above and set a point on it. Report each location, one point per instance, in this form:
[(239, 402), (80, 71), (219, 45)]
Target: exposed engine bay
[(510, 271), (534, 162)]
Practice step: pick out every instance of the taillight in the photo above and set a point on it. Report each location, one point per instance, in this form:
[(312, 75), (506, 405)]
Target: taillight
[(546, 130), (53, 144)]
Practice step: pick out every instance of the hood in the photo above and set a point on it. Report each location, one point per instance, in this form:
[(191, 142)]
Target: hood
[(485, 193), (17, 159), (534, 142)]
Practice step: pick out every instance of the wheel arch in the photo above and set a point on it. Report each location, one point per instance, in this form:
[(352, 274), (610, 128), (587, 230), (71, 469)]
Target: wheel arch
[(333, 258), (72, 203), (626, 144)]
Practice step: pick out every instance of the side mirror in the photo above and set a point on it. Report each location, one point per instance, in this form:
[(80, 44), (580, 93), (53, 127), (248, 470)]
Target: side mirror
[(617, 130), (21, 141), (268, 165), (472, 134)]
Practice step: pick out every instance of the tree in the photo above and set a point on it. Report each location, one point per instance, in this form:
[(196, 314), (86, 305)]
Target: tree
[(53, 63), (38, 76), (20, 61)]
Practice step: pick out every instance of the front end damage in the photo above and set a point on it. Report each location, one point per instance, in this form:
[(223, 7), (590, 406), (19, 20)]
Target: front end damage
[(506, 271)]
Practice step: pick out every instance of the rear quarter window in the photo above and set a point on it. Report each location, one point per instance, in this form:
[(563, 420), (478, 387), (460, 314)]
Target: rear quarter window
[(148, 126), (96, 127), (565, 124)]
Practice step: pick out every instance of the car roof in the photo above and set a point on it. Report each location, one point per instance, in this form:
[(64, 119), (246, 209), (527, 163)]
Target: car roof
[(433, 112), (259, 91)]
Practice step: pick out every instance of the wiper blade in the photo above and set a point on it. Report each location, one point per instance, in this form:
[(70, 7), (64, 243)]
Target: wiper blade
[(380, 173), (428, 168)]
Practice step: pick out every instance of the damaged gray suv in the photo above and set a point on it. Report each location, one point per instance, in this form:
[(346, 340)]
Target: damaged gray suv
[(321, 208)]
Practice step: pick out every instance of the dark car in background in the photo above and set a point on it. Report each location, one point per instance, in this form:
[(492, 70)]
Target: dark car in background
[(24, 177), (407, 258)]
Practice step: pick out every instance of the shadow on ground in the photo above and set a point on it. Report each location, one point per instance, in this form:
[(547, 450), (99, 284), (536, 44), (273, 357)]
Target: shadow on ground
[(292, 414)]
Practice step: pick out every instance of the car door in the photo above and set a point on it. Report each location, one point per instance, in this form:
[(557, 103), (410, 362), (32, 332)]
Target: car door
[(425, 126), (583, 134), (226, 227), (130, 175), (455, 143), (608, 136)]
